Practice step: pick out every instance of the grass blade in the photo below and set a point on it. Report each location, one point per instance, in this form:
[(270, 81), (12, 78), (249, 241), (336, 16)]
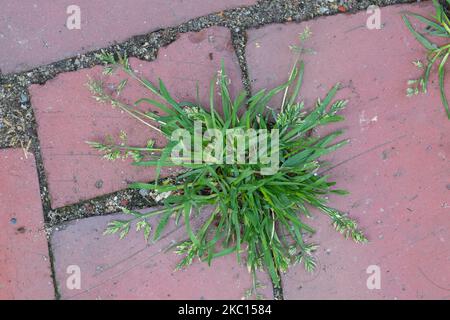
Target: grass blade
[(441, 83)]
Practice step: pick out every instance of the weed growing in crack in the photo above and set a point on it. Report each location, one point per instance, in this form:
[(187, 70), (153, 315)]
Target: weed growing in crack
[(259, 216), (438, 26), (303, 37)]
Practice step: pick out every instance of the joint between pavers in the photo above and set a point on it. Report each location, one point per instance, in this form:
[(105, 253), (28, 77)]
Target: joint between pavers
[(239, 40), (53, 271)]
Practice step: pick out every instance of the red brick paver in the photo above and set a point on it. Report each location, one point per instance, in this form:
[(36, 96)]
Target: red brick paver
[(67, 116), (33, 33), (397, 166), (129, 269), (24, 260)]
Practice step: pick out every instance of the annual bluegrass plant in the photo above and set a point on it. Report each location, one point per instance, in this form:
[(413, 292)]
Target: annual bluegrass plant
[(437, 26), (260, 218)]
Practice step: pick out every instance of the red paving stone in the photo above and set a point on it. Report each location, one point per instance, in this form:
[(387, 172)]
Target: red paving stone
[(67, 116), (33, 32), (24, 260), (129, 269), (397, 166)]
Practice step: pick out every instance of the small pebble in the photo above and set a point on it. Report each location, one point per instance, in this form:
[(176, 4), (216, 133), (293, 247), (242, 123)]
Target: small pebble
[(99, 184), (13, 221), (23, 98)]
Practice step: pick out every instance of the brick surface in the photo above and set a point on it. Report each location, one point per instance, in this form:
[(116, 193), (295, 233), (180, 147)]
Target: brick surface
[(67, 115), (397, 166), (33, 33), (129, 269), (24, 261)]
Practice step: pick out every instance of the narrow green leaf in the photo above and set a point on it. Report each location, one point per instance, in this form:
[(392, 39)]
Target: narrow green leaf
[(441, 83), (424, 41)]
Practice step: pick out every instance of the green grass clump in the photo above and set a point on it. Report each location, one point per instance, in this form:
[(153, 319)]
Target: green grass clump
[(259, 217), (437, 26)]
